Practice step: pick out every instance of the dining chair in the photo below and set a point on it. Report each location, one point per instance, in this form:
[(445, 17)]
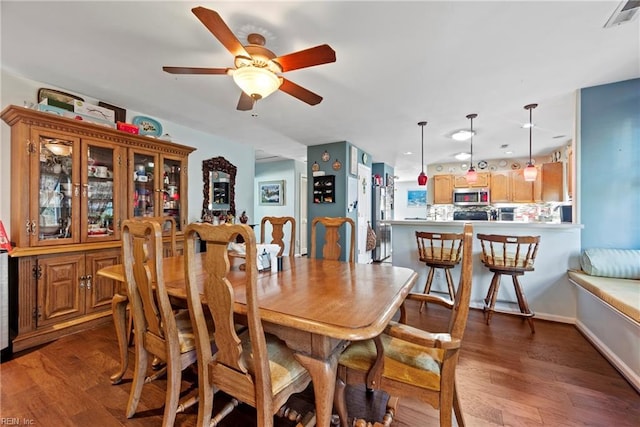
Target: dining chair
[(511, 256), (439, 251), (277, 224), (160, 330), (331, 249), (169, 228), (251, 366), (413, 362)]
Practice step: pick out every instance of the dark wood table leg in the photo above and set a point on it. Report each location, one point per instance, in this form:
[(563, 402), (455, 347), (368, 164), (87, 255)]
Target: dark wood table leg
[(119, 311)]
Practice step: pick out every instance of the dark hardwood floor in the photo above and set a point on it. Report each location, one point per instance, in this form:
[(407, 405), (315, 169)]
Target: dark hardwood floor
[(506, 377)]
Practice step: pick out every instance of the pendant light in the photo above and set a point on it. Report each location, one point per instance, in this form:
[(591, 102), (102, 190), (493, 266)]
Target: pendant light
[(422, 178), (472, 175), (530, 172)]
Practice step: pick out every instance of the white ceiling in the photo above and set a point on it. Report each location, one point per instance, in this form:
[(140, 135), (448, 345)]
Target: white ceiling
[(397, 63)]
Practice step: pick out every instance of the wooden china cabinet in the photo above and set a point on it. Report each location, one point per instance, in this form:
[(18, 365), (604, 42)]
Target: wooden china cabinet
[(73, 183)]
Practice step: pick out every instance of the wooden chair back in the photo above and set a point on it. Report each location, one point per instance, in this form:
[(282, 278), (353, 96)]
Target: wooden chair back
[(439, 249), (331, 249), (509, 253), (157, 331), (277, 224), (169, 228), (241, 366)]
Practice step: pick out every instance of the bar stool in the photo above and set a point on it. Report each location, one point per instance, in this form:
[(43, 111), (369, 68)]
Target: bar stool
[(513, 256), (439, 250)]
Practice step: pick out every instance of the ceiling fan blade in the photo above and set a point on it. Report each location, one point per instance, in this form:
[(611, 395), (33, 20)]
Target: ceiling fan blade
[(245, 103), (299, 92), (196, 70), (220, 30), (318, 55)]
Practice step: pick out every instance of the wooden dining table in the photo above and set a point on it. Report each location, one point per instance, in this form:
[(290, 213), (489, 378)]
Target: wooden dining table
[(315, 306)]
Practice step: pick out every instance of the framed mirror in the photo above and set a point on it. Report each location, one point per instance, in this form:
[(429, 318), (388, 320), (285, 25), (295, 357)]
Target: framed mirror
[(219, 178)]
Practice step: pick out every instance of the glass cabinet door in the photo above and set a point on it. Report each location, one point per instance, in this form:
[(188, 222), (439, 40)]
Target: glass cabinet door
[(145, 185), (100, 191), (171, 189), (54, 202)]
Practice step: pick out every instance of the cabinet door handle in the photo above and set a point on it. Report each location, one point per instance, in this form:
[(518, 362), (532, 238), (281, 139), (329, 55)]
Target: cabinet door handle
[(89, 277), (76, 190), (84, 190), (82, 285)]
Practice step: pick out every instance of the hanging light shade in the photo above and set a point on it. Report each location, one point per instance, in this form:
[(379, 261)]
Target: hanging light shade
[(256, 82), (422, 178), (530, 172), (472, 175)]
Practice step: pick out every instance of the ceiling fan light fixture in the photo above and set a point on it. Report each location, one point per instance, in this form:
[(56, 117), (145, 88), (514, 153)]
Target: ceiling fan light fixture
[(256, 82)]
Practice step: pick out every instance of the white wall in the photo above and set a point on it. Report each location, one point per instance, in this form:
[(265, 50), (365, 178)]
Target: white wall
[(400, 208), (15, 90)]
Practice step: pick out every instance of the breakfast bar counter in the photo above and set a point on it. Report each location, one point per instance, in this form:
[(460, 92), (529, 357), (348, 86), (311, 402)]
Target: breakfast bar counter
[(548, 290)]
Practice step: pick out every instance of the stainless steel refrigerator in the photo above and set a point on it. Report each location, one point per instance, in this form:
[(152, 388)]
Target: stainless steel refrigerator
[(381, 205)]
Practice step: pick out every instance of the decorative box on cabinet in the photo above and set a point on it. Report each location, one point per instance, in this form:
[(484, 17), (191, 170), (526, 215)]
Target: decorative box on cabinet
[(324, 189), (72, 185)]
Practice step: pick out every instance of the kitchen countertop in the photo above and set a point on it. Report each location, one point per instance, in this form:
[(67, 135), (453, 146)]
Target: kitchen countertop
[(509, 224)]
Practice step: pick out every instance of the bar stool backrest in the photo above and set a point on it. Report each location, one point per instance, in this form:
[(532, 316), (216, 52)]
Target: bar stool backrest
[(509, 253), (439, 248)]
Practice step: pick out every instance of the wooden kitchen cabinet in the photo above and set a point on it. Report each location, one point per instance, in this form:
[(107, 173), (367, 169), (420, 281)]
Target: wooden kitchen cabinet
[(442, 189), (510, 187), (552, 182), (460, 181), (500, 187), (73, 183)]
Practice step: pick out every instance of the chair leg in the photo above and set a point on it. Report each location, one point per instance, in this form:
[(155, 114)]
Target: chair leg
[(340, 402), (493, 289), (427, 286), (452, 292), (174, 380), (140, 370), (457, 409), (522, 303)]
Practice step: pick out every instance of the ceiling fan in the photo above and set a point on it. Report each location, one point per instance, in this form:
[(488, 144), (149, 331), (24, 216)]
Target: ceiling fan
[(257, 69)]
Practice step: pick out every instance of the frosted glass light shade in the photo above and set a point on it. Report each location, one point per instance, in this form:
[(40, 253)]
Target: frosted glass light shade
[(472, 176), (530, 173), (256, 82)]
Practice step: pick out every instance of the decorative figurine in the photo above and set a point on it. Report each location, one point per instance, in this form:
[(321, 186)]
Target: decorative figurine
[(244, 218)]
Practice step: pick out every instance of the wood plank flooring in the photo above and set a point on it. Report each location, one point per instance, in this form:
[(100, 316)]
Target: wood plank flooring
[(506, 376)]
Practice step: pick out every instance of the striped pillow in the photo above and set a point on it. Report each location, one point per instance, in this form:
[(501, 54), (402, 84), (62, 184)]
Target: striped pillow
[(616, 263)]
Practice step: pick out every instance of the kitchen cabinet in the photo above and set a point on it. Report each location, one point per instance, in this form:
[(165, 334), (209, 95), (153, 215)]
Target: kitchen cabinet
[(73, 183), (553, 182), (510, 186), (460, 181), (442, 189)]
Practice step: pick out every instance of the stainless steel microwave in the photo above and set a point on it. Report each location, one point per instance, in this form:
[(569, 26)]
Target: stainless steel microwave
[(471, 197)]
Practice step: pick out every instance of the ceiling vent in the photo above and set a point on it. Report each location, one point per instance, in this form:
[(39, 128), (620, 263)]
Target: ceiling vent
[(625, 12)]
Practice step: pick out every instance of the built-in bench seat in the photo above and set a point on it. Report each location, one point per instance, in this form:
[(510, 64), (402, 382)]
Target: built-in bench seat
[(608, 314)]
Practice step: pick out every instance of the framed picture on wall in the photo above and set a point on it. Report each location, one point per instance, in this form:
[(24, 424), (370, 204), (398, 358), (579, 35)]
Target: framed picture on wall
[(416, 198), (271, 193), (353, 161)]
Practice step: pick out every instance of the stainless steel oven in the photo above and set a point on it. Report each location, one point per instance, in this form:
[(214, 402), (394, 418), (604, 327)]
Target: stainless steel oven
[(471, 197)]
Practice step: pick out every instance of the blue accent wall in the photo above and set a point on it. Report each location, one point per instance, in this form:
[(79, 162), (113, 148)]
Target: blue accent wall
[(610, 165)]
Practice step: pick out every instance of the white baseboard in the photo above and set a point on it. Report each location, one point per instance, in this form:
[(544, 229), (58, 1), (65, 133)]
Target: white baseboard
[(619, 364)]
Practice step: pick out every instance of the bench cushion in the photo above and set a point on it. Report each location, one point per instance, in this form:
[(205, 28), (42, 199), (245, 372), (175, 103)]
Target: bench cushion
[(622, 294), (617, 263)]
